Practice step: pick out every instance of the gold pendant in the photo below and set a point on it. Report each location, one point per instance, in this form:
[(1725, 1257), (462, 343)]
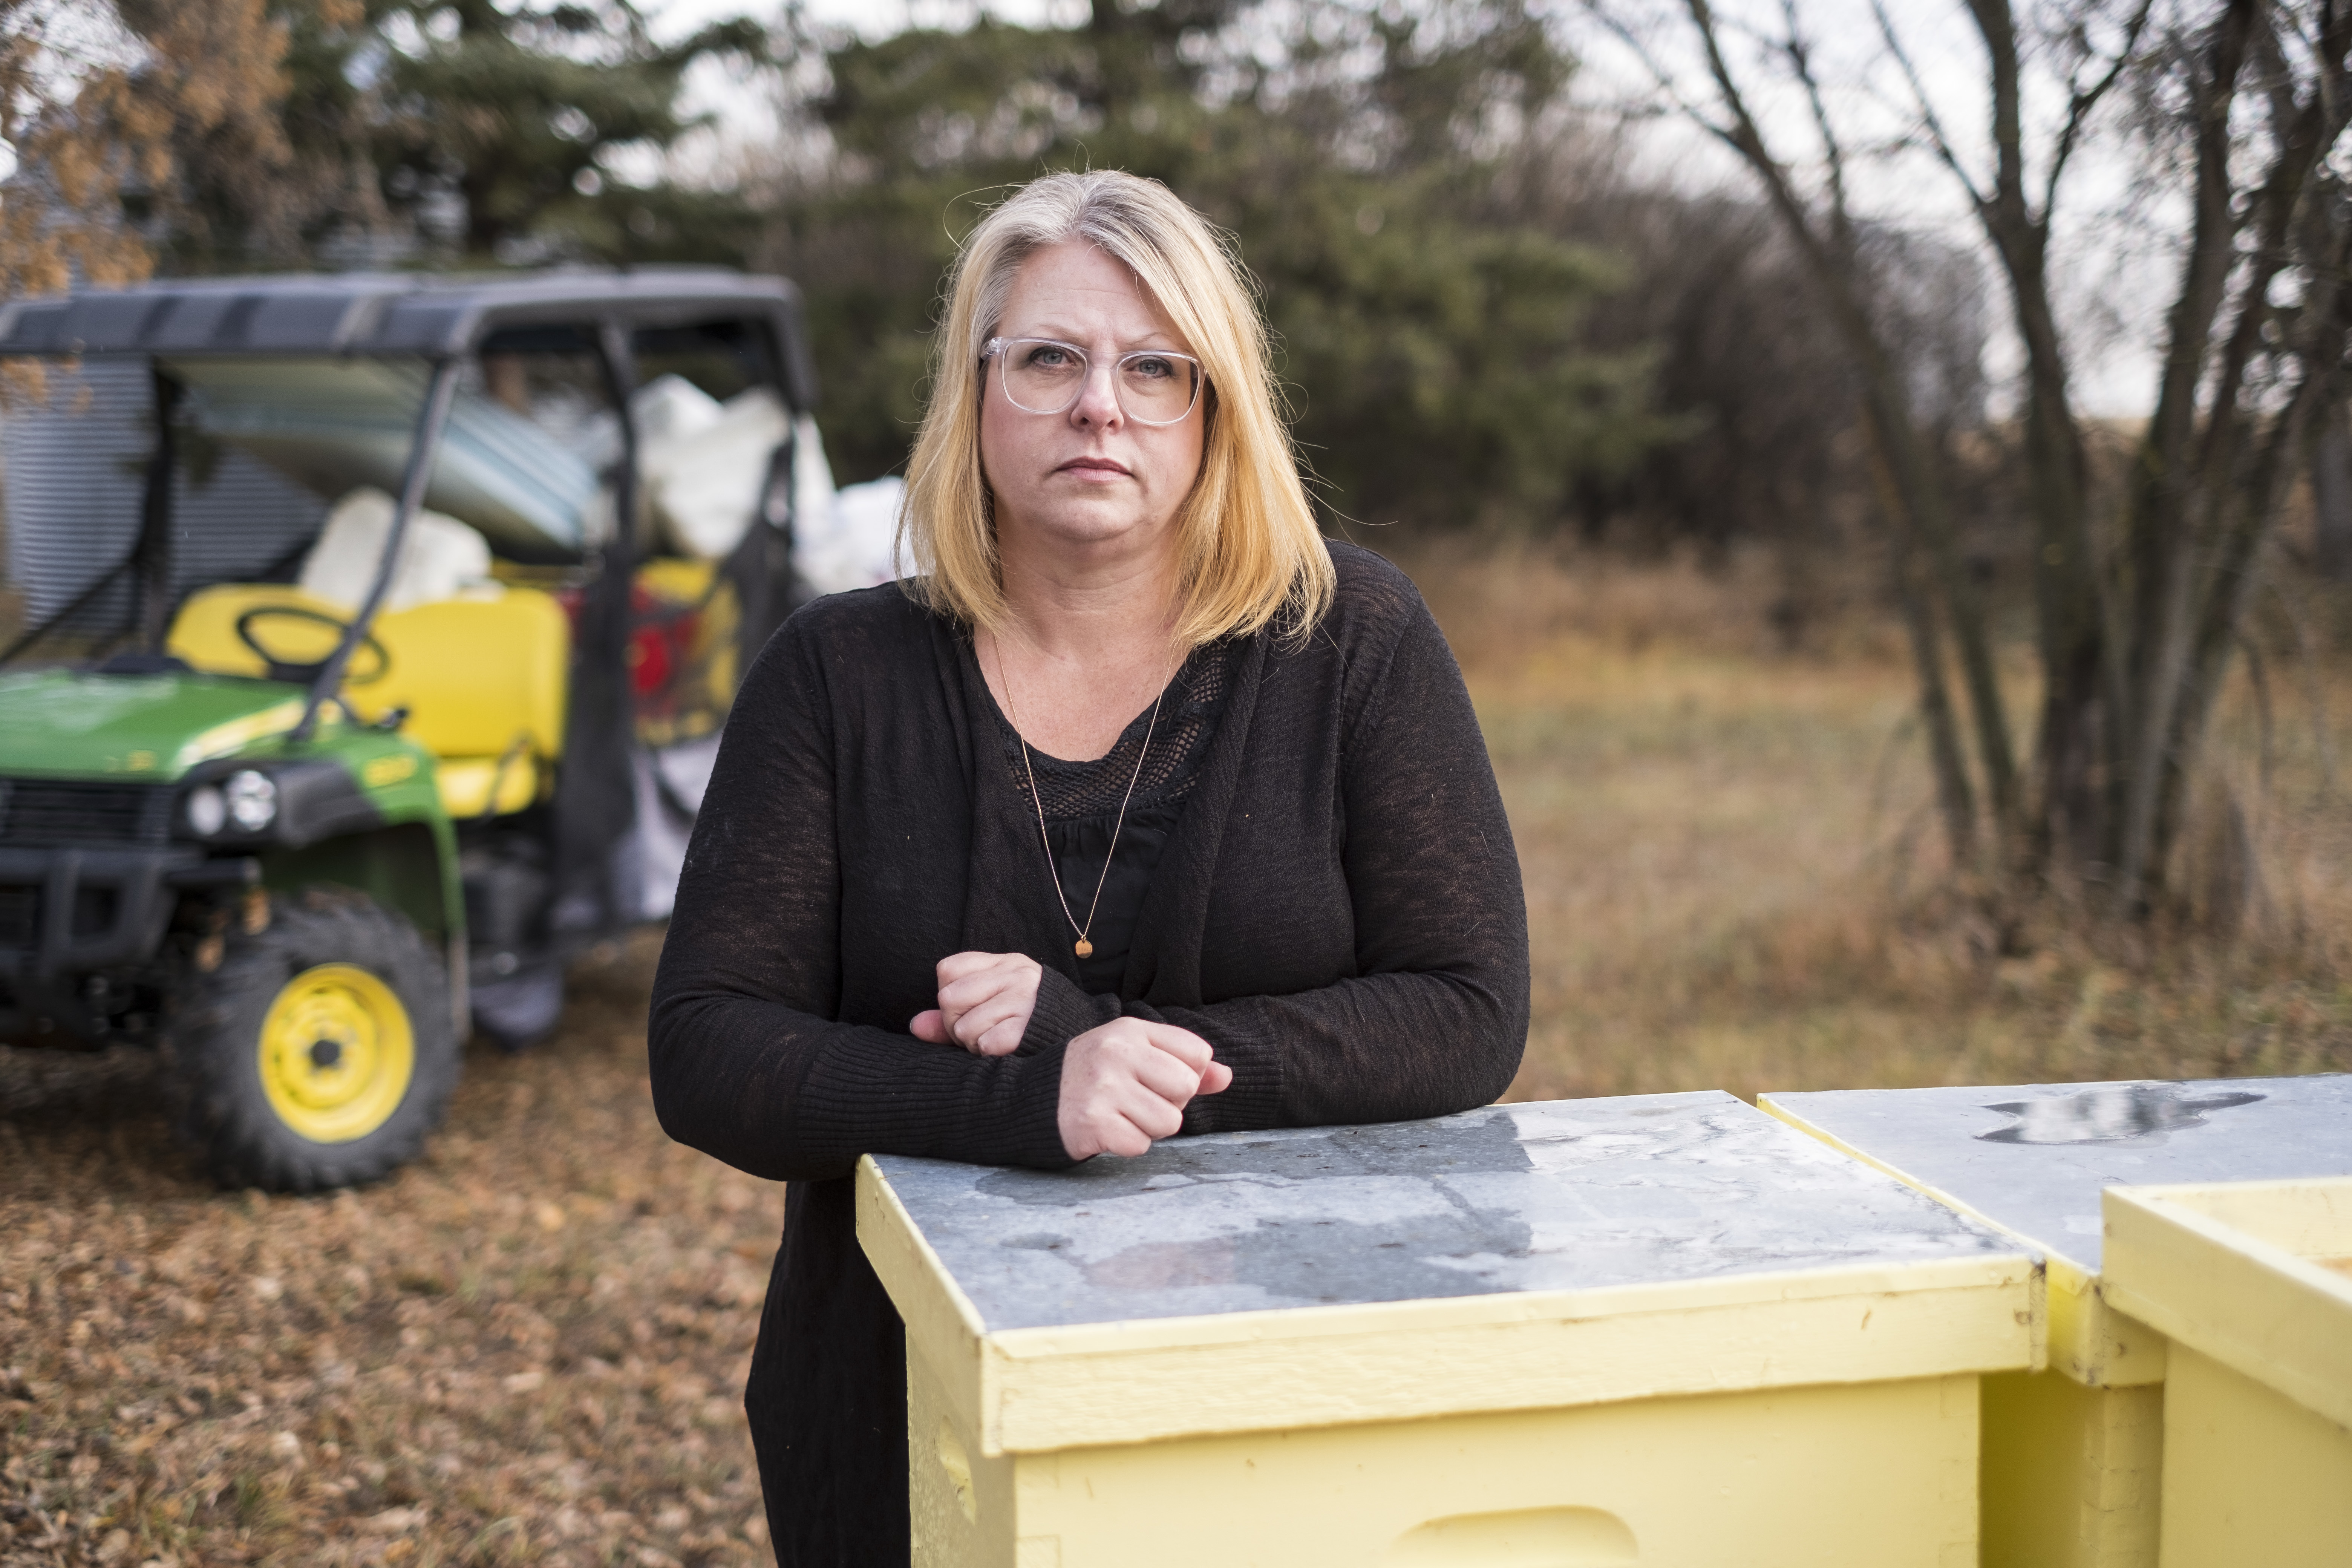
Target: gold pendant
[(1086, 949)]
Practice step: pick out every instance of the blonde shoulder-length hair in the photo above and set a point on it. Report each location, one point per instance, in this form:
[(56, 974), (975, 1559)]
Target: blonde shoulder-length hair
[(1250, 554)]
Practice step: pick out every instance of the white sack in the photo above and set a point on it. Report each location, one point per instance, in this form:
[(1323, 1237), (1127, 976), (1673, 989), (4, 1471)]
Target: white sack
[(670, 408), (849, 544), (438, 557), (704, 487)]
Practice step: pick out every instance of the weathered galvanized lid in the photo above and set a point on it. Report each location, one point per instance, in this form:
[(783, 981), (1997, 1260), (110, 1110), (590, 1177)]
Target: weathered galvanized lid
[(1527, 1256)]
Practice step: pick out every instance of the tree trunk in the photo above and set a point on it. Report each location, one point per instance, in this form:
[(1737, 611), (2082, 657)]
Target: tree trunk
[(2134, 639), (2331, 498), (1955, 796), (1914, 489), (2207, 496), (2251, 503), (1921, 492)]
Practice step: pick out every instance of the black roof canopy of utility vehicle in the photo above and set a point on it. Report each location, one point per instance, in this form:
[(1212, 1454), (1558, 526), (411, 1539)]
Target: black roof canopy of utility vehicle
[(380, 313)]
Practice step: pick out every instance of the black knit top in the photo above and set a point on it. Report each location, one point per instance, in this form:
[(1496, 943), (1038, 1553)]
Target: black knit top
[(1103, 838), (1335, 907)]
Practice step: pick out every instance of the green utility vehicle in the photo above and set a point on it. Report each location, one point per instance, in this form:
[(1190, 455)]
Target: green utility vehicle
[(381, 628)]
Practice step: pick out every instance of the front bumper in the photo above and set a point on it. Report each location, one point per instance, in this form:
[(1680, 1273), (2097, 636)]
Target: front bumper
[(68, 913)]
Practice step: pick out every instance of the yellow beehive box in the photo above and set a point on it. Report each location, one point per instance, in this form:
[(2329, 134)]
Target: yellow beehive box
[(2253, 1282), (2073, 1456), (1663, 1330)]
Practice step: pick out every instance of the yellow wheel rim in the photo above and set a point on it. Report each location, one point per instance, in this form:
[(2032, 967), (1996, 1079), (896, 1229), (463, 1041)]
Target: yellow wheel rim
[(336, 1053)]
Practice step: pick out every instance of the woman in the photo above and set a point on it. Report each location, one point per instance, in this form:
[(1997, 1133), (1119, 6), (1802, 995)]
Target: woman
[(1141, 810)]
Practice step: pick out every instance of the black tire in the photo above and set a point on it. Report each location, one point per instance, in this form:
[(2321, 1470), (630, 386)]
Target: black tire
[(217, 1063)]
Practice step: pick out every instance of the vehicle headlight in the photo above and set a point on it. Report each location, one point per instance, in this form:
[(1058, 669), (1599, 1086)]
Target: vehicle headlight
[(206, 811), (251, 798)]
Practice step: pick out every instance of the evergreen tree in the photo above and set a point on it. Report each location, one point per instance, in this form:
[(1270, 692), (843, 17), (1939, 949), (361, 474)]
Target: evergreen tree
[(254, 134), (516, 112), (104, 122), (1430, 334)]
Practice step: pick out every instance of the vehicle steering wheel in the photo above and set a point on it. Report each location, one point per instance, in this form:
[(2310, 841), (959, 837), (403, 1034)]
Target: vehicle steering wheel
[(303, 674)]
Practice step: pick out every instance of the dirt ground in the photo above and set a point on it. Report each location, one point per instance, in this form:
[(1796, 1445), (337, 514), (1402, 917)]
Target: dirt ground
[(529, 1347)]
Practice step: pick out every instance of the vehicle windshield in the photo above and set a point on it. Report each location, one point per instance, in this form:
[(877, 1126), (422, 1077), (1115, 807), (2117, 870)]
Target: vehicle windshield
[(520, 461), (282, 469)]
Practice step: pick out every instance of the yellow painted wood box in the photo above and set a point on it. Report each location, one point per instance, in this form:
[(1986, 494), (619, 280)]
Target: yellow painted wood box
[(2251, 1281), (1664, 1329), (2074, 1462)]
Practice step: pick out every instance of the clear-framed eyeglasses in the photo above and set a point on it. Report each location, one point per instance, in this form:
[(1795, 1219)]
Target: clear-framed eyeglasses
[(1044, 375)]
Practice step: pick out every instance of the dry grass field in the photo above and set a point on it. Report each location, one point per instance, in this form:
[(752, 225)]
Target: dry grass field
[(526, 1349), (1734, 879)]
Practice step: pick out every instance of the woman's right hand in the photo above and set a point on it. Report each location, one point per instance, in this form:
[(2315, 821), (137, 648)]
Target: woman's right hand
[(986, 1000), (1128, 1081)]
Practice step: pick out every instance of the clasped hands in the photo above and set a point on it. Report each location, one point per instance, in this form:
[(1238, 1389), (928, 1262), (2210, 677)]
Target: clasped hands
[(1124, 1083)]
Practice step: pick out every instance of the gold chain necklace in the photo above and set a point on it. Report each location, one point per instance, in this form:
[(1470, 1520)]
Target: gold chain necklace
[(1082, 947)]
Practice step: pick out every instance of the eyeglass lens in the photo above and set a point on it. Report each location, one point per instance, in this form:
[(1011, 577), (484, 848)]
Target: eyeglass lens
[(1044, 377)]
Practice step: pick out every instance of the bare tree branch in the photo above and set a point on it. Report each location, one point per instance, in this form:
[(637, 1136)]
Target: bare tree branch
[(1936, 136), (1888, 419), (2082, 101), (1659, 78), (1799, 53)]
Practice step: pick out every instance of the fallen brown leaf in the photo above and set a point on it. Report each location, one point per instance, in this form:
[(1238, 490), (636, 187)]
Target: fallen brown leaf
[(526, 1349)]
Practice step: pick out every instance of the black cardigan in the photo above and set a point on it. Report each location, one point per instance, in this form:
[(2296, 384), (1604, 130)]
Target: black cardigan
[(1338, 913)]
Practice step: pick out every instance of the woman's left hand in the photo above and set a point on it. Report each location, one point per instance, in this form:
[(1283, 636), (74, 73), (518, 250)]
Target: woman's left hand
[(985, 1001)]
